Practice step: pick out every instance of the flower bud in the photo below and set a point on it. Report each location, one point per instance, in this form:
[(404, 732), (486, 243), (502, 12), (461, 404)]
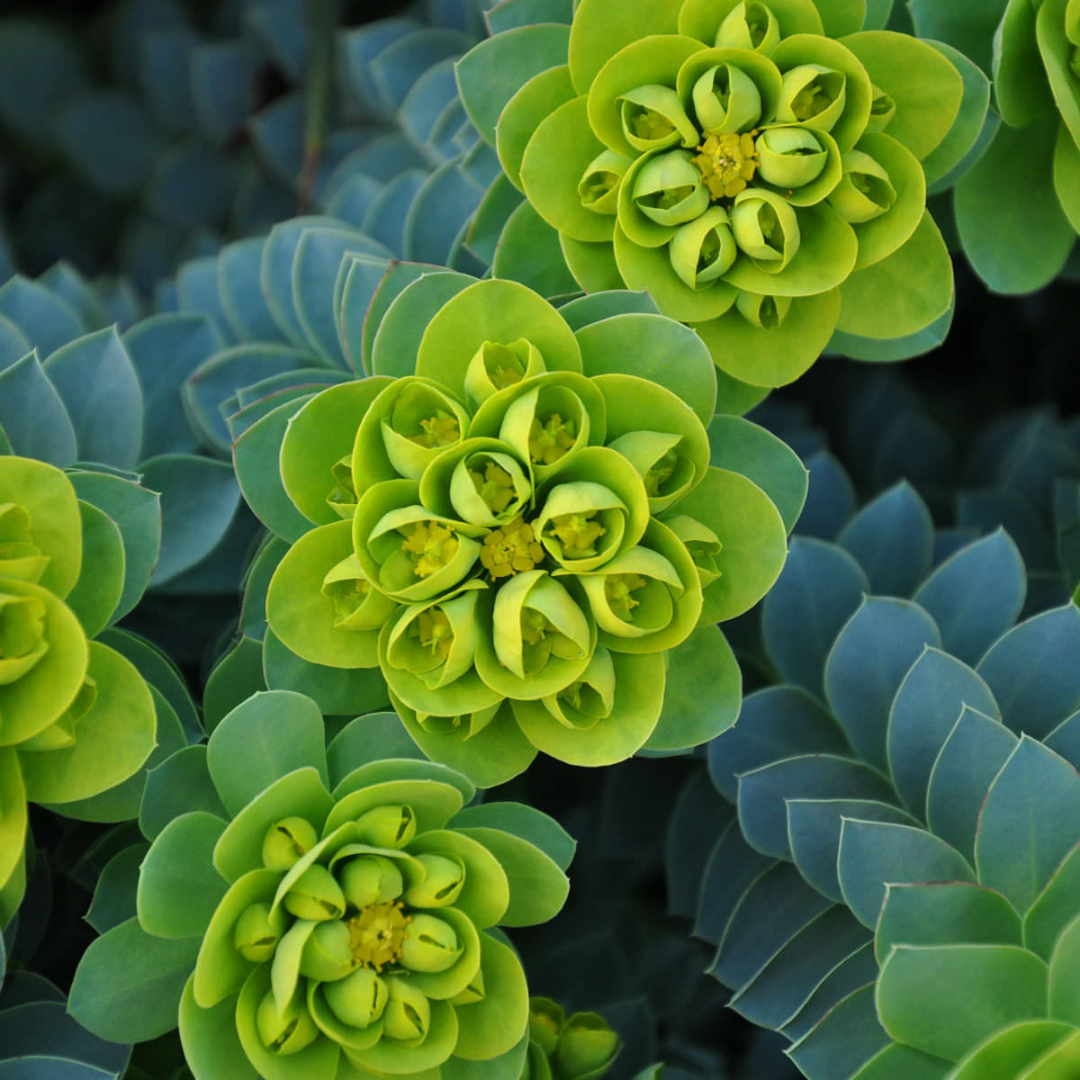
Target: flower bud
[(764, 312), (668, 189), (327, 954), (284, 1032), (882, 110), (443, 881), (430, 945), (286, 842), (315, 895), (256, 934), (357, 605), (22, 635), (749, 25), (359, 999), (387, 826), (599, 184), (704, 249), (408, 1012), (812, 95), (546, 1018), (341, 498), (765, 227), (791, 157), (496, 366), (726, 100), (473, 992), (653, 117), (20, 557), (865, 191), (701, 542), (586, 1044), (370, 879)]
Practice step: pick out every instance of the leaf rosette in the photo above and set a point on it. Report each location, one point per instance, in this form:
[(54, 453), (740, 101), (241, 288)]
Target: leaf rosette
[(758, 167), (76, 718), (332, 929), (911, 778), (528, 545)]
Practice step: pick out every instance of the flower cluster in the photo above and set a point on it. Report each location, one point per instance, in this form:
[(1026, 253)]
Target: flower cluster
[(743, 165), (522, 544), (76, 718), (331, 929)]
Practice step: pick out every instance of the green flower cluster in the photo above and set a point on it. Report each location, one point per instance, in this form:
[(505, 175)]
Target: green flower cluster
[(521, 544), (76, 718), (759, 172), (319, 930)]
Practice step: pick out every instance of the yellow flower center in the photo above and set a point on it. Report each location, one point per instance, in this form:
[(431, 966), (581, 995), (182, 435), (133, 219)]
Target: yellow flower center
[(510, 550), (534, 626), (659, 473), (494, 485), (810, 101), (348, 595), (727, 163), (433, 629), (439, 430), (377, 934), (572, 695), (618, 589), (577, 533), (432, 547), (549, 440), (649, 124), (503, 377)]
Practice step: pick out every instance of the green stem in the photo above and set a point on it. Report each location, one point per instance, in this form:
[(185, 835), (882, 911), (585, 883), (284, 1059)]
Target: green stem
[(322, 20)]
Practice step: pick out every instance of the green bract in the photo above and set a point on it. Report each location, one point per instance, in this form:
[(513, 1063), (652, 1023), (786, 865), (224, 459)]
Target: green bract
[(578, 1047), (331, 918), (521, 542), (1028, 181), (758, 167), (76, 718)]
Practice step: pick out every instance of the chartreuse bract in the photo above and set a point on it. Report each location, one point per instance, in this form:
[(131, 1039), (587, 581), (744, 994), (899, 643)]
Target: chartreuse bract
[(1018, 233), (324, 912), (761, 168), (522, 531), (76, 717), (577, 1047), (867, 769)]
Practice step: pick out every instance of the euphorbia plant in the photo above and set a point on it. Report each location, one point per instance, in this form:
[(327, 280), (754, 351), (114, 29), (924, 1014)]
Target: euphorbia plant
[(760, 168), (325, 913), (76, 718), (520, 544)]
